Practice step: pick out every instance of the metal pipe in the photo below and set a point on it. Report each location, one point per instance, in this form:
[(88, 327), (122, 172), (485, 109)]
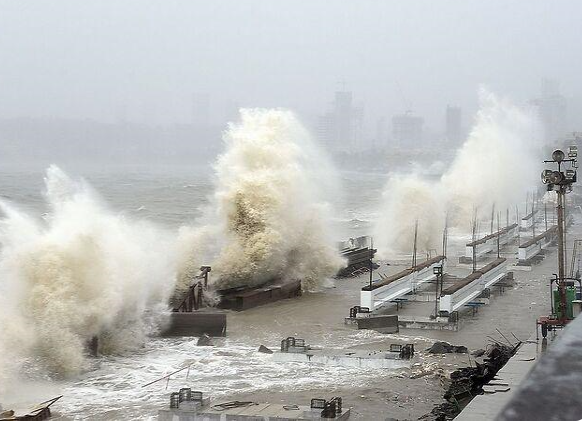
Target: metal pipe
[(498, 231), (414, 245), (561, 264), (436, 296), (167, 376), (533, 215), (546, 215), (371, 263)]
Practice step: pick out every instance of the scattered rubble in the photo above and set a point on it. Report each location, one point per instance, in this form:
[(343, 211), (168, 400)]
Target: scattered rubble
[(467, 382), (425, 369), (356, 270), (478, 353), (265, 350), (205, 340), (446, 348), (39, 412)]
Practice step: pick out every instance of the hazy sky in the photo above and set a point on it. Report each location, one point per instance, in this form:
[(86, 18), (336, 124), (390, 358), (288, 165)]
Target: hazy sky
[(143, 59)]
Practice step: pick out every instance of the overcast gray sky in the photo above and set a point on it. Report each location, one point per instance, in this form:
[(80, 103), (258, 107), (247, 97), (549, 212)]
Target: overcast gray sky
[(142, 59)]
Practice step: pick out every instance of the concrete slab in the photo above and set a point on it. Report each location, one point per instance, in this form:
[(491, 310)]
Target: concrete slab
[(551, 390), (211, 322), (423, 322), (501, 389), (380, 323), (345, 358), (251, 412), (248, 298)]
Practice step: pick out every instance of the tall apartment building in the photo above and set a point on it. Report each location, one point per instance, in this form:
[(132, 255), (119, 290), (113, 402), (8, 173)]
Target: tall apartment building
[(407, 131), (340, 128), (551, 109)]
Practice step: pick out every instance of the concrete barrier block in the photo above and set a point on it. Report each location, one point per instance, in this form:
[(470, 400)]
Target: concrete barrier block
[(383, 324)]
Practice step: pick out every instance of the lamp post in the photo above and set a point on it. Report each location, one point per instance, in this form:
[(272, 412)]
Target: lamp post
[(438, 271), (371, 261), (561, 182)]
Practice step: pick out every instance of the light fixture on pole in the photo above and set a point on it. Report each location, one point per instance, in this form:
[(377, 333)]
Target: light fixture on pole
[(560, 181)]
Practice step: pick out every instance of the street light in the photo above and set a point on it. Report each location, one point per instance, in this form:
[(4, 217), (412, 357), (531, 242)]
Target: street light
[(556, 177), (558, 156), (560, 181), (546, 176)]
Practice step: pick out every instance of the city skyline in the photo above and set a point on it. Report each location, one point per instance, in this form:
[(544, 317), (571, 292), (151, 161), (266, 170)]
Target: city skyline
[(141, 61)]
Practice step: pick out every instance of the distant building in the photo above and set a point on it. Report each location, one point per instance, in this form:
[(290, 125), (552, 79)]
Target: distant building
[(325, 130), (201, 109), (407, 130), (552, 110), (381, 140), (340, 128), (453, 130)]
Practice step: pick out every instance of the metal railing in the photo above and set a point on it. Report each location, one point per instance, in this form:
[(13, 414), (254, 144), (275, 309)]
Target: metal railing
[(195, 292)]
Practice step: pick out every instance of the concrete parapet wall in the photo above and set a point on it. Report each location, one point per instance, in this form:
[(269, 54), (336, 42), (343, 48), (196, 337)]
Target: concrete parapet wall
[(533, 247), (454, 298), (398, 285), (197, 323), (489, 243), (384, 324), (255, 412), (243, 300)]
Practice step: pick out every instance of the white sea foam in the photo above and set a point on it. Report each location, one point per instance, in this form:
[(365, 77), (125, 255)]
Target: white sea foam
[(496, 164), (268, 218), (80, 272)]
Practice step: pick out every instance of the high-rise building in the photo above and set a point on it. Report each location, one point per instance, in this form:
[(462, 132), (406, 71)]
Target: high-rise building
[(453, 125), (407, 130), (201, 109), (341, 127), (382, 134), (551, 110)]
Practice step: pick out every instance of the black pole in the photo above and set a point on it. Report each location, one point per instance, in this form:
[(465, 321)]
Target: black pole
[(445, 234), (498, 231), (474, 239), (371, 263), (492, 217), (414, 245), (518, 225), (546, 215), (533, 216), (436, 296)]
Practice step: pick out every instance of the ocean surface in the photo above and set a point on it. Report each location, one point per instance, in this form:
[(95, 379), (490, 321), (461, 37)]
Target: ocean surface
[(172, 197)]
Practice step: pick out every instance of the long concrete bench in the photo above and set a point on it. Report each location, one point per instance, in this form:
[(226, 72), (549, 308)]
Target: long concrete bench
[(395, 286), (469, 288), (528, 220), (489, 242), (534, 246)]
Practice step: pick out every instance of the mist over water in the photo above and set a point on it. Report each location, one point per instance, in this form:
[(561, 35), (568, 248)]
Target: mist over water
[(493, 166), (82, 270), (408, 199), (497, 162), (269, 217), (79, 272)]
